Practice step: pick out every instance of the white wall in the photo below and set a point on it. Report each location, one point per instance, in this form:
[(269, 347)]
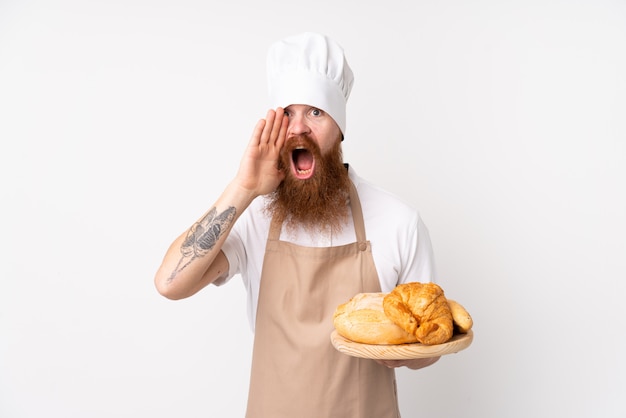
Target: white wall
[(121, 121)]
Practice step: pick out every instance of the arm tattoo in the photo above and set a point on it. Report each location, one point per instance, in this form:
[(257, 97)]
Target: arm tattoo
[(202, 237)]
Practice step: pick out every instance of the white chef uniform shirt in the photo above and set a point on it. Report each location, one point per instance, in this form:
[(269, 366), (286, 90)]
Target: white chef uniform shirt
[(401, 245)]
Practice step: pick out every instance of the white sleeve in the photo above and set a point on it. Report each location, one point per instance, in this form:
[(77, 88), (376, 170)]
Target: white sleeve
[(419, 264)]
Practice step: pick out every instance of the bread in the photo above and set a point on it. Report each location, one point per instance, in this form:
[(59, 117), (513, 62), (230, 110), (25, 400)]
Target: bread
[(420, 309), (363, 320), (460, 317), (412, 312)]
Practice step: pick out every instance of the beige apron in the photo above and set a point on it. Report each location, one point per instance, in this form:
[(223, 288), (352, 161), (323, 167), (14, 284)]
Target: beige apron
[(296, 372)]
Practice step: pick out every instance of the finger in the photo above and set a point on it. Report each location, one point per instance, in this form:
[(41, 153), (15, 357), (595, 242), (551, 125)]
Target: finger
[(267, 129), (282, 133), (392, 364), (276, 126), (382, 363), (256, 133)]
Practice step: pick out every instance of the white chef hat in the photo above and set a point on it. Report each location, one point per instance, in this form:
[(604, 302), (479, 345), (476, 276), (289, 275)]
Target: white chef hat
[(310, 69)]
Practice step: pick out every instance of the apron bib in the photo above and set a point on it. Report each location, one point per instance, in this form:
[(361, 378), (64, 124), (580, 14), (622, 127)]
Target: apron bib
[(296, 372)]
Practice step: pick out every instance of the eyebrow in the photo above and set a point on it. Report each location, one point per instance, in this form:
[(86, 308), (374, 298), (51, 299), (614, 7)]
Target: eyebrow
[(307, 108)]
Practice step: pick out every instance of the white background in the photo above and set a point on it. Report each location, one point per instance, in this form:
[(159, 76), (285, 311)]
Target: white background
[(504, 122)]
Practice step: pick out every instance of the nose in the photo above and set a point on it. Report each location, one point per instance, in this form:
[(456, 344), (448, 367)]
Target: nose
[(297, 125)]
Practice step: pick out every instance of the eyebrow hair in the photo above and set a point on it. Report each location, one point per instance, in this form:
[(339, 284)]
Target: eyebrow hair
[(308, 107)]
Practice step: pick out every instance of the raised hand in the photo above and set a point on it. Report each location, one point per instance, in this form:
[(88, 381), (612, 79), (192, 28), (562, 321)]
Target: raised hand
[(258, 171)]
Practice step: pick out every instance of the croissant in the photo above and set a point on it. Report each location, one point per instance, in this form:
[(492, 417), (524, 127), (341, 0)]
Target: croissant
[(421, 309)]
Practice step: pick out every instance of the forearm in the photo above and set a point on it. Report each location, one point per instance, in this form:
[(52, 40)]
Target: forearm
[(193, 260)]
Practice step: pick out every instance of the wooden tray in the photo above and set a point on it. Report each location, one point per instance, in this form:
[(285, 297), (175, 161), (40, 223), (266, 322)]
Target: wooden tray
[(457, 343)]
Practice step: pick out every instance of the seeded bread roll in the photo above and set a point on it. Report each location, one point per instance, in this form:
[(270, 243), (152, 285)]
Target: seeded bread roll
[(362, 319)]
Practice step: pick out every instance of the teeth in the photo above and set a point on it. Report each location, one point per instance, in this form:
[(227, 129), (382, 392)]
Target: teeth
[(304, 171)]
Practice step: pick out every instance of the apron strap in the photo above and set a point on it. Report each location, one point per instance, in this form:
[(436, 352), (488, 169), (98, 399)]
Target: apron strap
[(275, 227), (357, 218)]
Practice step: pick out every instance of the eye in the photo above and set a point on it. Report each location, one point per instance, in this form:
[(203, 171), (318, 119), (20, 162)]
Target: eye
[(316, 112)]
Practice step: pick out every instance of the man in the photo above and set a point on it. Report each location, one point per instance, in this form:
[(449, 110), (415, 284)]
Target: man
[(306, 234)]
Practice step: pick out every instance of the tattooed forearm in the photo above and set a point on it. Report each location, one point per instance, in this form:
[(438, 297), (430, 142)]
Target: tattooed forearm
[(203, 236)]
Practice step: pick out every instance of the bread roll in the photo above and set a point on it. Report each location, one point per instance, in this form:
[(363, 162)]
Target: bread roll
[(461, 318), (363, 320)]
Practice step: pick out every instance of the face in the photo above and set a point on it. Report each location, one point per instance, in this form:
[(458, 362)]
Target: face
[(316, 124), (316, 185)]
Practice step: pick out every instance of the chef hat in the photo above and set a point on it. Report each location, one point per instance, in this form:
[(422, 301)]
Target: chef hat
[(310, 69)]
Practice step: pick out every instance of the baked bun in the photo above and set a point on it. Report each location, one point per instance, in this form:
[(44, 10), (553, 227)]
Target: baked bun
[(362, 319), (420, 309), (460, 317)]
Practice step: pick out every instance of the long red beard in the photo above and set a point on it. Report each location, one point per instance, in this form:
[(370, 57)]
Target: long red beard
[(320, 201)]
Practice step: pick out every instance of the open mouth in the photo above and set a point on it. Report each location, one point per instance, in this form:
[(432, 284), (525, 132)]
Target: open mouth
[(302, 163)]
